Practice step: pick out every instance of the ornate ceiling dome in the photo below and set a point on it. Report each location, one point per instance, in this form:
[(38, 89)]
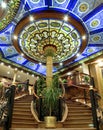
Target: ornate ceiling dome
[(8, 10), (49, 28), (72, 27)]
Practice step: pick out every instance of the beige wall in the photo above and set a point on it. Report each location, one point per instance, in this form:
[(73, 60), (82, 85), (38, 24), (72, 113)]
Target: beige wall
[(96, 73)]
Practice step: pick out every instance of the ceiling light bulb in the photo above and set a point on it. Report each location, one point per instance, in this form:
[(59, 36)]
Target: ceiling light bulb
[(16, 69), (84, 37), (3, 4), (66, 18), (15, 37), (22, 54), (21, 71), (2, 63), (61, 64), (32, 75), (40, 63), (31, 18), (69, 73), (8, 72), (78, 55)]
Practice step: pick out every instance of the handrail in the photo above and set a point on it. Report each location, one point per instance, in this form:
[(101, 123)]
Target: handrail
[(79, 86), (9, 100)]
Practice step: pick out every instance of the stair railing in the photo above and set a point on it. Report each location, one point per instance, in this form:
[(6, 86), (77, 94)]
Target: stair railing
[(21, 87), (7, 107), (89, 98), (94, 107)]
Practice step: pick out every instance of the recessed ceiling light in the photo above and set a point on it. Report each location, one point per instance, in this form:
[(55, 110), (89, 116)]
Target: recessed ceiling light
[(40, 63), (27, 73), (32, 75), (15, 69), (8, 72), (78, 54), (15, 37), (69, 73), (61, 64), (2, 63), (65, 18), (9, 66), (3, 4), (22, 54), (22, 71), (31, 18), (84, 37)]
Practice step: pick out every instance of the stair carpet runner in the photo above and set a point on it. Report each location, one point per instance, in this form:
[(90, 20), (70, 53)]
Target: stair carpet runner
[(79, 116)]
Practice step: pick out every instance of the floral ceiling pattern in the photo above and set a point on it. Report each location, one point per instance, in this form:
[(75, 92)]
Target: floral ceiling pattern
[(82, 33)]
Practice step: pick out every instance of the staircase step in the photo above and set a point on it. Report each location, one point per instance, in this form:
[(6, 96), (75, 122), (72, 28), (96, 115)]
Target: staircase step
[(79, 111), (19, 119), (79, 118), (22, 110), (24, 125), (78, 107), (22, 103), (79, 114), (51, 129)]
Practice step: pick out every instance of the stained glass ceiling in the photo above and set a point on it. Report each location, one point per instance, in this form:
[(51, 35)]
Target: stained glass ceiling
[(74, 27)]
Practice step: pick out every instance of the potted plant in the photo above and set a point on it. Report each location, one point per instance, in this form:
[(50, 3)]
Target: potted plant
[(86, 79), (51, 97)]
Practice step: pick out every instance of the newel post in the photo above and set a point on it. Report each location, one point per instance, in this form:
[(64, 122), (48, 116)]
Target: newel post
[(93, 105)]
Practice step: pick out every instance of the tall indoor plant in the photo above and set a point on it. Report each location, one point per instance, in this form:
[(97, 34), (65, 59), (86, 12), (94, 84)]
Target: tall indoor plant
[(51, 97)]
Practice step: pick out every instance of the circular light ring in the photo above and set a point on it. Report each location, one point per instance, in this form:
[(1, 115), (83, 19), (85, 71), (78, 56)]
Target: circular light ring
[(8, 14), (48, 15)]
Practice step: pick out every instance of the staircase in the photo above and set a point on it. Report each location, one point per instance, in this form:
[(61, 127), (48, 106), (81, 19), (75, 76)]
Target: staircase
[(22, 116), (79, 117)]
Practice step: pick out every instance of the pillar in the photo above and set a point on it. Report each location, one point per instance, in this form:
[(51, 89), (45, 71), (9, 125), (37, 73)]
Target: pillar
[(14, 77), (49, 73)]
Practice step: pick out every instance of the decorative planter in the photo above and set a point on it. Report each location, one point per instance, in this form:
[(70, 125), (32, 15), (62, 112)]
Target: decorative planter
[(50, 122)]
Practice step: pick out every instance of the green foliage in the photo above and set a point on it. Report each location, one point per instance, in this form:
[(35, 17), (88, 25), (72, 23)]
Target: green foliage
[(87, 79), (51, 96), (41, 84)]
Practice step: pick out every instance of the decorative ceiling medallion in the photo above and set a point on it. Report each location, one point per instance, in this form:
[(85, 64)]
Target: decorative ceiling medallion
[(9, 50), (60, 1), (49, 29), (94, 23), (96, 38), (90, 50), (83, 7), (3, 38), (9, 13)]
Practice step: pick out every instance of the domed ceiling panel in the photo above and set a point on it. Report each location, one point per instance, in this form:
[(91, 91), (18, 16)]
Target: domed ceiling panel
[(8, 13), (88, 13)]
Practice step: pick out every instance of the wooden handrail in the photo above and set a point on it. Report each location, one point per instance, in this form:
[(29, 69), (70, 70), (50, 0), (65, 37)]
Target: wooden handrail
[(79, 87)]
